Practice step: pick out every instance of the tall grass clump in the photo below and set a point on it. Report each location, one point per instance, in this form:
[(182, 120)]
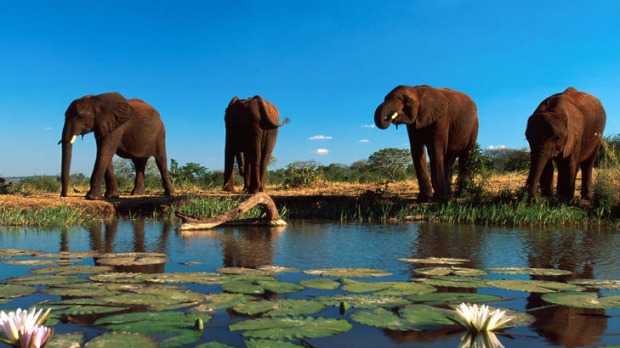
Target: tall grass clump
[(210, 207), (42, 183), (58, 216), (607, 184)]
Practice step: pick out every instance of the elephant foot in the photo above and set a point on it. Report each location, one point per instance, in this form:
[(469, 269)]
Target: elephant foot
[(422, 198), (112, 195), (136, 193), (92, 197)]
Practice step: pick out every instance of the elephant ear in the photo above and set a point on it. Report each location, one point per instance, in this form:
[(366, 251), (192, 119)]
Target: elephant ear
[(113, 110), (574, 126), (433, 105), (270, 116)]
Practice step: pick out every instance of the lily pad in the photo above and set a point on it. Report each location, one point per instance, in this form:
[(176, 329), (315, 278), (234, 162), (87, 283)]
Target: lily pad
[(117, 277), (407, 318), (70, 340), (178, 324), (82, 306), (47, 280), (245, 271), (583, 300), (320, 283), (80, 290), (69, 270), (453, 282), (279, 308), (349, 272), (130, 259), (363, 301), (351, 285), (453, 297), (435, 260), (180, 277), (406, 289), (11, 291), (279, 287), (270, 344), (530, 271), (158, 298), (278, 269), (214, 344), (17, 252), (213, 302), (40, 262), (446, 271), (243, 287), (536, 286), (121, 339), (291, 328), (68, 254), (610, 284)]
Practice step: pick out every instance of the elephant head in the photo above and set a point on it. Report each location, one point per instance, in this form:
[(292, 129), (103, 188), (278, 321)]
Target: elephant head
[(99, 113), (419, 106)]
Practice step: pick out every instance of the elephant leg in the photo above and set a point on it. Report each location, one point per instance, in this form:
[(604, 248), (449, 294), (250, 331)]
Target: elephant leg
[(269, 143), (567, 174), (449, 171), (102, 161), (138, 186), (418, 154), (586, 179), (162, 165), (247, 174), (546, 180), (464, 175), (254, 158), (111, 186), (438, 173)]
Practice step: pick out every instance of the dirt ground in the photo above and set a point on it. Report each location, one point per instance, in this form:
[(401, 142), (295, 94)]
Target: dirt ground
[(405, 189)]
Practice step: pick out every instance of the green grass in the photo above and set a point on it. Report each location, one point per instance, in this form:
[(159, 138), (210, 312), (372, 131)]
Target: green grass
[(210, 207), (59, 216)]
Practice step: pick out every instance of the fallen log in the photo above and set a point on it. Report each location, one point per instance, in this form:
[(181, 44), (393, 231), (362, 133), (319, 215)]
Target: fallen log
[(272, 217)]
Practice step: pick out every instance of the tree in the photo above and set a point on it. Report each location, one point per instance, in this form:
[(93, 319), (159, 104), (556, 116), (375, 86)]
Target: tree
[(390, 163)]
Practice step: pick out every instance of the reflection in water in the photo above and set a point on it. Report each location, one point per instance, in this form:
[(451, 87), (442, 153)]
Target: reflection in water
[(249, 247), (571, 251)]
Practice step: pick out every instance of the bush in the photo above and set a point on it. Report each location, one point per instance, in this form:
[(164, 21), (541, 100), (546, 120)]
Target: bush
[(605, 191), (4, 187), (301, 174), (45, 183)]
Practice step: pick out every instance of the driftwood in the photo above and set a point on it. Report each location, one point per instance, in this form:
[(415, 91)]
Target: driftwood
[(272, 219)]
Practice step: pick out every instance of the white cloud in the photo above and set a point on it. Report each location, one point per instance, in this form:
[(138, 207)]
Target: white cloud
[(320, 137), (364, 141), (368, 126), (322, 152), (498, 147)]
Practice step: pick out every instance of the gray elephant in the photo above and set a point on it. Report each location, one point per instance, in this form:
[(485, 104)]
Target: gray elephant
[(129, 128), (443, 121), (566, 128)]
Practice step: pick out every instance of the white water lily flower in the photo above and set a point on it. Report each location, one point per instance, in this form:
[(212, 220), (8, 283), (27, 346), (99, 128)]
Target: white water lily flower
[(472, 317), (23, 328)]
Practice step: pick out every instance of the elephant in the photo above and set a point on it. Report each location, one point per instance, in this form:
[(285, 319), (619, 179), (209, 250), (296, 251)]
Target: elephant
[(443, 121), (130, 128), (251, 132), (566, 128)]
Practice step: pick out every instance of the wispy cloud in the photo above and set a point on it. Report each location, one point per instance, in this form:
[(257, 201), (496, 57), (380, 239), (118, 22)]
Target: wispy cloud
[(322, 152), (320, 137), (497, 147), (368, 126), (364, 141)]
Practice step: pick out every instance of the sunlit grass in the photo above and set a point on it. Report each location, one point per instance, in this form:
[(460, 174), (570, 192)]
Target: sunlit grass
[(55, 216)]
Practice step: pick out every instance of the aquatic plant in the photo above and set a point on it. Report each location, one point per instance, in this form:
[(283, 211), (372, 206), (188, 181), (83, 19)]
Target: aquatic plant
[(24, 328), (475, 318)]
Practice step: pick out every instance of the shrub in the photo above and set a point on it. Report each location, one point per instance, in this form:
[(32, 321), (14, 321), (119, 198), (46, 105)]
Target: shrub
[(45, 183), (301, 174)]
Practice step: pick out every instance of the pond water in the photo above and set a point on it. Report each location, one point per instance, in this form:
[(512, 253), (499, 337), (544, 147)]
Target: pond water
[(588, 253)]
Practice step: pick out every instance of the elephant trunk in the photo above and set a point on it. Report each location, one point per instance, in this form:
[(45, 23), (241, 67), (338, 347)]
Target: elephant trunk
[(538, 161), (67, 149), (383, 117)]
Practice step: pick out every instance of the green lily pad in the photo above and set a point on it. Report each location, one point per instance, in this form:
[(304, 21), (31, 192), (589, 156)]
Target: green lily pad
[(407, 318), (453, 297), (291, 328), (180, 277), (157, 298), (47, 280), (251, 343), (243, 287), (610, 284), (279, 287), (349, 272), (178, 324), (387, 288), (446, 271), (583, 300), (245, 271), (8, 291), (453, 282), (80, 290), (536, 286), (117, 277), (320, 283), (363, 301), (68, 255), (279, 308), (131, 259), (435, 260), (278, 269), (530, 271), (351, 285), (121, 339), (81, 306), (214, 344), (40, 262), (73, 339), (69, 270)]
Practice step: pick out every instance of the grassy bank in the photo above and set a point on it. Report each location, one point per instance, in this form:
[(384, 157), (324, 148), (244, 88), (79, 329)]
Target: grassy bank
[(59, 216)]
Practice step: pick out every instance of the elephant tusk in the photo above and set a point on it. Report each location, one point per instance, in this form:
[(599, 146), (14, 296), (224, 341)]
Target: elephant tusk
[(73, 139), (394, 115)]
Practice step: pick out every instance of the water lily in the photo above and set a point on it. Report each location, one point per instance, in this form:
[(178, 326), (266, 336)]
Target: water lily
[(485, 339), (23, 328), (475, 318)]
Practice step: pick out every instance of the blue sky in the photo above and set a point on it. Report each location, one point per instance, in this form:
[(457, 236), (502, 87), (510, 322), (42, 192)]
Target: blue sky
[(326, 64)]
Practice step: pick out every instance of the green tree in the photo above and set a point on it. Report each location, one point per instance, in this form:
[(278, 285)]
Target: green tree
[(390, 163)]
